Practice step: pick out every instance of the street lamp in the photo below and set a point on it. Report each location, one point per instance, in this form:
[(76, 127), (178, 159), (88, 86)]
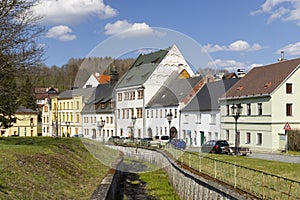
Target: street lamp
[(31, 126), (100, 125), (169, 118), (68, 124), (133, 123), (236, 110)]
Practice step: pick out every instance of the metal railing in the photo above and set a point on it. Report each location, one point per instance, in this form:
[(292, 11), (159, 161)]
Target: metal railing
[(254, 182)]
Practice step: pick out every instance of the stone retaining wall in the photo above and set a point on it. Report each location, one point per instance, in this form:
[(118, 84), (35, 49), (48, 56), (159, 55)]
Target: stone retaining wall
[(187, 185)]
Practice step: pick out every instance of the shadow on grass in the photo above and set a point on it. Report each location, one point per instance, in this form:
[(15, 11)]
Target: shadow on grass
[(3, 189)]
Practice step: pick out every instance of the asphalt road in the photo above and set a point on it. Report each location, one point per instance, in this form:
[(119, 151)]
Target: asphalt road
[(265, 156)]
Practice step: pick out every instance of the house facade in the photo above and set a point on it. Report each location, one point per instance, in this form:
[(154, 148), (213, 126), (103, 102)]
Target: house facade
[(98, 114), (66, 118), (169, 99), (269, 98), (143, 79), (25, 124), (200, 118)]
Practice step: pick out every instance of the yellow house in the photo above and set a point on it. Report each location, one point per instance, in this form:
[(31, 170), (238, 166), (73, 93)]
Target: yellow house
[(66, 112), (25, 123)]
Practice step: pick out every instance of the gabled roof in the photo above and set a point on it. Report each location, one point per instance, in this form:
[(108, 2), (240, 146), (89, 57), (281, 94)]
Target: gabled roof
[(207, 98), (101, 78), (85, 92), (24, 110), (262, 80), (142, 68), (102, 94), (173, 91)]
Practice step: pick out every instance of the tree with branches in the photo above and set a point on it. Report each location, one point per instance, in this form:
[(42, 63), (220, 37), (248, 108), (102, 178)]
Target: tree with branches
[(19, 49)]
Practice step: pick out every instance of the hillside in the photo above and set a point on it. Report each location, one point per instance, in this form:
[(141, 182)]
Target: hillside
[(50, 168)]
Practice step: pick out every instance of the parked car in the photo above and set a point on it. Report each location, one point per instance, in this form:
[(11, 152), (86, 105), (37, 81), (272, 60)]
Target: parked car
[(215, 146), (113, 139), (178, 143), (146, 141), (160, 141)]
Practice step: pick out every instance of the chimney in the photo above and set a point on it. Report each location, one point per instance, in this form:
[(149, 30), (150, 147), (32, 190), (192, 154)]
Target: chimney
[(282, 57), (114, 76)]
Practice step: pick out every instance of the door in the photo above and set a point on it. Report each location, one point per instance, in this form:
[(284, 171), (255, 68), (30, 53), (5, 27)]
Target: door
[(201, 137)]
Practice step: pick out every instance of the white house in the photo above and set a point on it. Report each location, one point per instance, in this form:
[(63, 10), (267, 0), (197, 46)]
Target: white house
[(98, 114), (95, 79), (143, 79), (200, 118), (269, 97), (169, 99)]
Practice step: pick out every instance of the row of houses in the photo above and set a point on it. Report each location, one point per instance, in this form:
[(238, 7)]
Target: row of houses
[(162, 95)]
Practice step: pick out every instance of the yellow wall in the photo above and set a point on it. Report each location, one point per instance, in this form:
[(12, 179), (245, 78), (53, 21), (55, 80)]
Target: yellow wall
[(22, 126)]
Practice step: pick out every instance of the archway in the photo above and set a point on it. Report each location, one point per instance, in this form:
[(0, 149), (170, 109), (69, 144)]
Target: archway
[(174, 132)]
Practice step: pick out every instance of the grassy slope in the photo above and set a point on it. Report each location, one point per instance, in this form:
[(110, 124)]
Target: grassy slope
[(49, 168)]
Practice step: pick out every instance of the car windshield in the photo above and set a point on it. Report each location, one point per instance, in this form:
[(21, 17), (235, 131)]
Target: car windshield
[(223, 143), (164, 137)]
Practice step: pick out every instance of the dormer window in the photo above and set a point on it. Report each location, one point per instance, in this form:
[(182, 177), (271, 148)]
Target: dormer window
[(239, 88), (267, 84)]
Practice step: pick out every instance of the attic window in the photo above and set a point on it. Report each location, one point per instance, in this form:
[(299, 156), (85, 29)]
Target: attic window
[(140, 63), (155, 60), (129, 77), (239, 88), (267, 85)]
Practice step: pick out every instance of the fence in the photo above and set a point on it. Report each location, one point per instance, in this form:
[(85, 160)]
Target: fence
[(257, 183)]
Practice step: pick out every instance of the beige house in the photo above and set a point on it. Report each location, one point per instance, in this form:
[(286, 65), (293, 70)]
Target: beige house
[(66, 119), (269, 96), (25, 123)]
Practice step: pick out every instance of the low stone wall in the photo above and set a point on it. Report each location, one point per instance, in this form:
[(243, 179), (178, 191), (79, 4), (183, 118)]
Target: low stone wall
[(108, 188), (187, 185)]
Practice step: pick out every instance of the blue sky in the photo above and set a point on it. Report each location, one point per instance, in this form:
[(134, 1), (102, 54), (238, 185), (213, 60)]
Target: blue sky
[(233, 33)]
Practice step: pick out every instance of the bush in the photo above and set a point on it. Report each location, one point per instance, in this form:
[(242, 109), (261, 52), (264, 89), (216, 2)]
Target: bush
[(294, 140)]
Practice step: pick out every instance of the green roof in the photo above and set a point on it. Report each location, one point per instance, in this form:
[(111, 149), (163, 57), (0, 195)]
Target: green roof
[(142, 68)]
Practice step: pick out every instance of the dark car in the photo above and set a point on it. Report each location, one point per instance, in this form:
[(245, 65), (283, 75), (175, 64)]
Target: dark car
[(178, 143), (146, 141), (215, 146)]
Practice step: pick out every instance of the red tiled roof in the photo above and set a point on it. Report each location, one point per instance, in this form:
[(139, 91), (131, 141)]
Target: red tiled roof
[(262, 80), (102, 79)]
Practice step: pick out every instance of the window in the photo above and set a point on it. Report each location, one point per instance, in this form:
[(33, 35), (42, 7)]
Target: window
[(289, 109), (140, 94), (227, 135), (148, 113), (248, 138), (289, 88), (198, 119), (213, 118), (248, 109), (160, 115), (259, 139), (227, 110), (175, 113), (139, 112), (118, 111), (119, 96), (259, 108)]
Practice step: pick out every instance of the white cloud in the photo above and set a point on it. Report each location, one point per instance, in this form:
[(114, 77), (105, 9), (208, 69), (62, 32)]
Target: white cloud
[(285, 10), (126, 29), (72, 11), (239, 45), (227, 64), (291, 49), (61, 32)]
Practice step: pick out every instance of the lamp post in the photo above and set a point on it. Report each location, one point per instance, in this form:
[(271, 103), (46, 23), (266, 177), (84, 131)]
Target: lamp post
[(100, 125), (169, 118), (133, 123), (68, 125), (31, 126), (236, 112)]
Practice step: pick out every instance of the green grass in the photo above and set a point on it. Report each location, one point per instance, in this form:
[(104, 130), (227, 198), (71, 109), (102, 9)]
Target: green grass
[(158, 185), (49, 168)]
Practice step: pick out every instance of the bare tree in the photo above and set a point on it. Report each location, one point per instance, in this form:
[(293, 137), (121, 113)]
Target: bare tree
[(19, 47)]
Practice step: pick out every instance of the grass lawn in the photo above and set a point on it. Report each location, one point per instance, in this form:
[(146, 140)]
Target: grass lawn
[(50, 168)]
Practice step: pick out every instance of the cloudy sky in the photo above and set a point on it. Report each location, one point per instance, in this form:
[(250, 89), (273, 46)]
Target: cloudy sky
[(234, 33)]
